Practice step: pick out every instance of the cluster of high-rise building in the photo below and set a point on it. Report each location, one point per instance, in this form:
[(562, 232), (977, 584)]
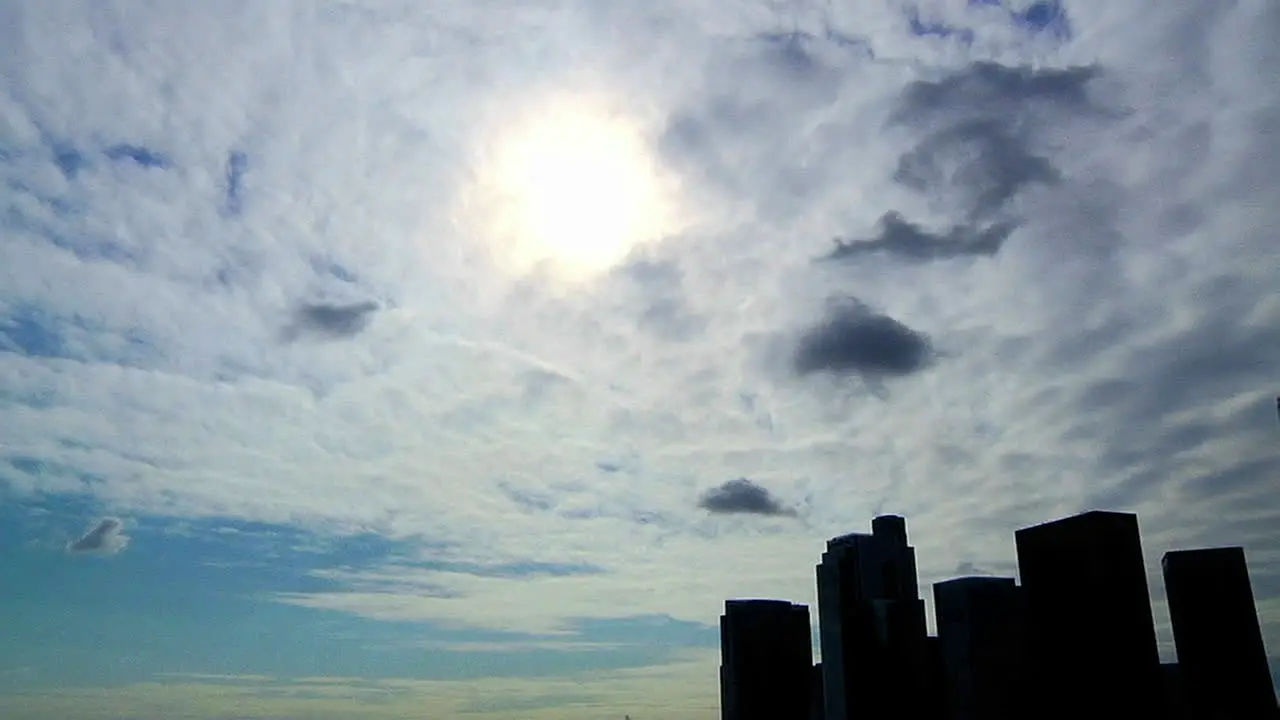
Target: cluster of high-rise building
[(1075, 639)]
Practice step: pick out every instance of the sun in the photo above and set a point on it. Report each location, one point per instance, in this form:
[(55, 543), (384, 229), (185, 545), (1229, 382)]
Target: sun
[(569, 188)]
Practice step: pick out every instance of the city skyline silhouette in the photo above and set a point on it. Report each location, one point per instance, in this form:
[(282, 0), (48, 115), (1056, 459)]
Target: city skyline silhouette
[(1072, 636)]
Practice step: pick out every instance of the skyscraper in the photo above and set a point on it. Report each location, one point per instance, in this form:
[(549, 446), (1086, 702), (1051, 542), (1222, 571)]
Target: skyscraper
[(871, 624), (981, 638), (935, 680), (1222, 661), (817, 708), (1174, 697), (766, 652), (1092, 639)]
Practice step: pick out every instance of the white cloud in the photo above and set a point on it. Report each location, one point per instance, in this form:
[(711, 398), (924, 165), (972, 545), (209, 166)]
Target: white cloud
[(1116, 351)]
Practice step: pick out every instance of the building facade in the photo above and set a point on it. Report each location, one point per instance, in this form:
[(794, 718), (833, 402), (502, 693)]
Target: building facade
[(1222, 661), (766, 660), (981, 636), (872, 624), (1091, 636)]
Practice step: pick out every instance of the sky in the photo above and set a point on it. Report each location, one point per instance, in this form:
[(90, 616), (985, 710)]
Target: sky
[(392, 359)]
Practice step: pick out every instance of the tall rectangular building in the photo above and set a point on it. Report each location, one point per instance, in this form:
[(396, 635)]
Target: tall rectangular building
[(935, 705), (817, 708), (766, 664), (981, 638), (871, 624), (1092, 639), (1174, 697), (1222, 662)]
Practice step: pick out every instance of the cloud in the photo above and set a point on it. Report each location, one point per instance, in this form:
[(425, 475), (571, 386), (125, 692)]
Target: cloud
[(977, 155), (233, 194), (968, 568), (107, 538), (983, 161), (987, 132), (332, 320), (903, 238), (963, 22), (742, 496), (643, 691), (139, 155), (986, 89), (854, 339)]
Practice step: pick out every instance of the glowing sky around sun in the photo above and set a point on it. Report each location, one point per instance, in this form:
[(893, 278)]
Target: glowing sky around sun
[(568, 186)]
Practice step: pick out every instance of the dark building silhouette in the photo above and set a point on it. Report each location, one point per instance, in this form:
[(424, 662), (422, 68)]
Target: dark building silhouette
[(1174, 697), (1075, 640), (872, 625), (1222, 661), (1092, 642), (817, 709), (766, 665), (935, 680), (981, 637)]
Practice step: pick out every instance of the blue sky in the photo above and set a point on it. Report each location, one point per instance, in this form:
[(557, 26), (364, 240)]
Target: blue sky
[(362, 358)]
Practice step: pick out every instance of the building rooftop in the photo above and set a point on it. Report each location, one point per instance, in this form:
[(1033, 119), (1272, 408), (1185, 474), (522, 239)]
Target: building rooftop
[(1085, 518)]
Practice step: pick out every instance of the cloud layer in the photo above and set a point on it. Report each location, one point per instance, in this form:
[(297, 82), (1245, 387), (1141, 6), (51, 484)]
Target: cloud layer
[(1056, 277)]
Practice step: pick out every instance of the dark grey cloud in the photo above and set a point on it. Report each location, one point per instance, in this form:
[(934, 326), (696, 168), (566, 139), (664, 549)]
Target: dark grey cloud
[(139, 155), (902, 238), (988, 89), (981, 125), (742, 496), (331, 320), (233, 192), (985, 162), (107, 537), (854, 339)]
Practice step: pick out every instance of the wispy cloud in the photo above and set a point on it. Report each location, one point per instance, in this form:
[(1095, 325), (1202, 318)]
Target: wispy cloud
[(551, 645)]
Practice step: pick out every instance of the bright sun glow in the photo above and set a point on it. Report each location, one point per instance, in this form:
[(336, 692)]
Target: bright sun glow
[(571, 189)]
